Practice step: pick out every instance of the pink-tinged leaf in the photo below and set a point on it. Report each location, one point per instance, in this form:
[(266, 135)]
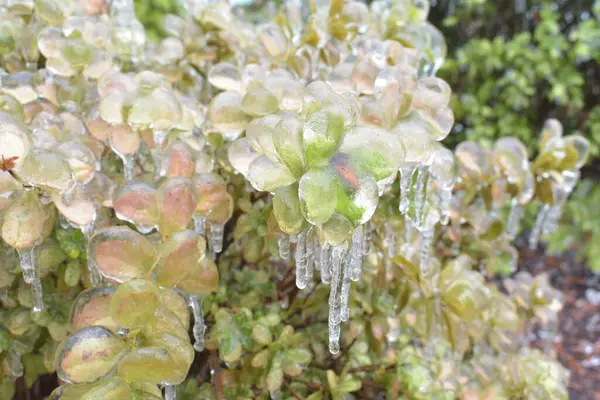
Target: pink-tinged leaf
[(177, 200), (214, 202), (121, 253), (176, 304), (80, 210), (24, 222), (88, 355), (135, 202), (125, 140), (92, 308), (180, 161), (183, 264)]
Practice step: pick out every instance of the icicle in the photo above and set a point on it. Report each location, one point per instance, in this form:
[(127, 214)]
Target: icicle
[(540, 220), (301, 261), (128, 167), (356, 252), (514, 218), (284, 246), (31, 275), (408, 234), (195, 302), (312, 247), (425, 251), (345, 292), (199, 224), (15, 366), (420, 192), (367, 236), (215, 237), (406, 176), (324, 264), (170, 392), (389, 239), (445, 198), (337, 254)]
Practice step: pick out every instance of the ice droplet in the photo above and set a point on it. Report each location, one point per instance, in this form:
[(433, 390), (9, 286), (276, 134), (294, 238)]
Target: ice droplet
[(324, 264), (170, 392), (356, 252), (514, 218), (198, 329), (301, 260), (31, 275), (284, 246), (215, 237), (540, 221), (337, 254), (406, 176)]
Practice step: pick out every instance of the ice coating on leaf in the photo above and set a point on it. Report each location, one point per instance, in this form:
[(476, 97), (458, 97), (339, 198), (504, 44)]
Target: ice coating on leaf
[(153, 364), (287, 140), (15, 140), (215, 204), (267, 175), (92, 308), (259, 101), (183, 264), (472, 161), (158, 110), (121, 253), (287, 210), (109, 389), (581, 146), (177, 200), (241, 155), (135, 202), (134, 302), (260, 135), (88, 355), (412, 130), (179, 160), (225, 76), (322, 133), (23, 223), (337, 229), (81, 159), (47, 169), (318, 195), (442, 167), (226, 115)]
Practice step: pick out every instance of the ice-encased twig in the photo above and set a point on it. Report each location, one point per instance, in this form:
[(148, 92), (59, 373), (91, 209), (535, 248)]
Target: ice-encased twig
[(335, 263), (425, 251), (195, 302), (445, 198), (199, 224)]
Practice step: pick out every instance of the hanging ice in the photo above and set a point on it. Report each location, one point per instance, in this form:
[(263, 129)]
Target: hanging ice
[(284, 246), (514, 218), (324, 264), (31, 275), (356, 253), (345, 291), (425, 251), (198, 329), (540, 220), (406, 176), (170, 392), (445, 199), (215, 237), (199, 224), (301, 260), (337, 254), (420, 193)]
